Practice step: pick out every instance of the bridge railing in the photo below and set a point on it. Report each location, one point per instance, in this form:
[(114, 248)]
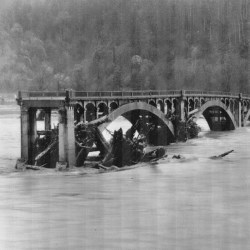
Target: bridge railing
[(125, 93), (210, 93), (37, 94), (246, 96)]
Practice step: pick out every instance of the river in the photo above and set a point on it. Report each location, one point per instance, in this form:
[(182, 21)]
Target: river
[(192, 203)]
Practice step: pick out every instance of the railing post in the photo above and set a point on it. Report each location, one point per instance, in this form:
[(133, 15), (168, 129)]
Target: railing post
[(182, 93), (19, 97)]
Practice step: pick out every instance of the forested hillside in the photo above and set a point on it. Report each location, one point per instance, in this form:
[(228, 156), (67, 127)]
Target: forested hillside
[(124, 44)]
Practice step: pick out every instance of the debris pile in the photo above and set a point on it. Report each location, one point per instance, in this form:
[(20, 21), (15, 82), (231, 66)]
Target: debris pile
[(128, 150), (46, 148)]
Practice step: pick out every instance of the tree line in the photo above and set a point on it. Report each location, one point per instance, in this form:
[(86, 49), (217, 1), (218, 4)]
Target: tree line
[(124, 44)]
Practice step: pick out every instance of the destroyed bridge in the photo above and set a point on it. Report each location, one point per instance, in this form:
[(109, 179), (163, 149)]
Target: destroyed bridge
[(222, 111)]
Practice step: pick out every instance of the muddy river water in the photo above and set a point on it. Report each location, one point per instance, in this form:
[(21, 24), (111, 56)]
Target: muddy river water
[(192, 203)]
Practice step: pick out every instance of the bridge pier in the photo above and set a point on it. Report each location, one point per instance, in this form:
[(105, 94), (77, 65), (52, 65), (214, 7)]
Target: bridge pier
[(66, 136), (239, 110), (28, 133), (24, 133), (181, 106), (61, 135), (32, 134), (182, 109), (70, 135)]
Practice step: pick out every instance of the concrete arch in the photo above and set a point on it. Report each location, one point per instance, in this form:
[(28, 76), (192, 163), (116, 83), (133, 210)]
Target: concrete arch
[(88, 103), (99, 103), (121, 111), (216, 103)]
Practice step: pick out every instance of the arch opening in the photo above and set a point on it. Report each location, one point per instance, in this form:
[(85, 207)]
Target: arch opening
[(218, 119), (143, 116), (217, 115), (160, 105), (113, 106), (90, 112), (191, 105), (78, 112), (102, 109), (151, 102), (150, 126), (196, 103), (168, 107)]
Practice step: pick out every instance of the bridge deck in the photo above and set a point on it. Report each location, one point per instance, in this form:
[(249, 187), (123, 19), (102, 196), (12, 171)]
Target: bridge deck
[(106, 95)]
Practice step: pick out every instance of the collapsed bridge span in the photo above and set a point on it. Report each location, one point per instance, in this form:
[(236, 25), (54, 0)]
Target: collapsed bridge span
[(223, 111)]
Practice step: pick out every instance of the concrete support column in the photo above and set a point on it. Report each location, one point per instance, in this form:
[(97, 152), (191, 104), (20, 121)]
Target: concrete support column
[(24, 133), (32, 134), (165, 109), (97, 113), (239, 109), (71, 155), (172, 106), (85, 115), (62, 134), (181, 106), (47, 119), (182, 109)]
